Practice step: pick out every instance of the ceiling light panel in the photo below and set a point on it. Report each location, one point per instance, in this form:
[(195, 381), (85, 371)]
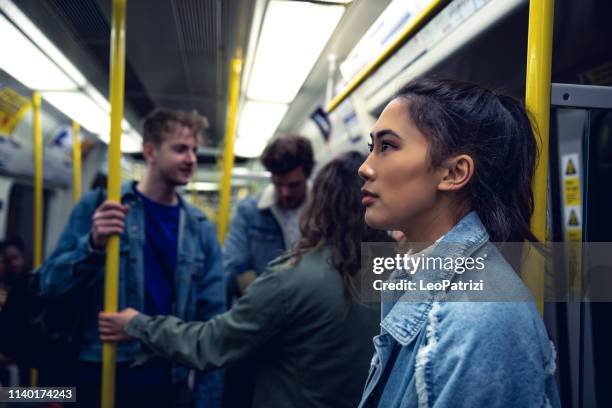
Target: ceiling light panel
[(80, 108), (131, 142), (26, 63), (293, 36), (60, 82), (258, 122), (204, 186), (37, 37)]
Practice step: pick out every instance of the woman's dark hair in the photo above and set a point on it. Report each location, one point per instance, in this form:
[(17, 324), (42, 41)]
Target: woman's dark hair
[(334, 216), (496, 131)]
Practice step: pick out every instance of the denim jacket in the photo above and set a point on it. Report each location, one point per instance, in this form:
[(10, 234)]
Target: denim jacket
[(438, 353), (199, 279), (255, 235)]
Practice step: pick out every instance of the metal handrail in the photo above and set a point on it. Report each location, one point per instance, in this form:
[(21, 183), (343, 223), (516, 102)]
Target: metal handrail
[(111, 281), (228, 153), (409, 31)]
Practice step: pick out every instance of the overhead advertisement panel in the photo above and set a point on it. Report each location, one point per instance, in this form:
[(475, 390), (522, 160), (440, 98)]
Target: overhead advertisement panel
[(382, 33), (12, 108)]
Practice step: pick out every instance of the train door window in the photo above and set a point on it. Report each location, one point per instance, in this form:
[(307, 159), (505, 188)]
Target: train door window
[(598, 228)]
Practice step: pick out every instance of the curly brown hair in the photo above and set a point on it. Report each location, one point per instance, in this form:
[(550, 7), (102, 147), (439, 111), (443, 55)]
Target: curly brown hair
[(287, 153), (162, 121), (334, 217)]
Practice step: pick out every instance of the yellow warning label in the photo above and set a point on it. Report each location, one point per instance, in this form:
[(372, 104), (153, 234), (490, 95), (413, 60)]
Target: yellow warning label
[(574, 235), (12, 108), (571, 191), (570, 169), (573, 219)]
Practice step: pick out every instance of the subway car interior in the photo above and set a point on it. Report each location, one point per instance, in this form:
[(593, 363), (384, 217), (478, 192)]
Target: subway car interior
[(79, 78)]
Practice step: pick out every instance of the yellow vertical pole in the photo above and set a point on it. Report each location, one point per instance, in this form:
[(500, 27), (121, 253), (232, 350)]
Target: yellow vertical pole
[(111, 282), (76, 162), (38, 196), (537, 99), (38, 180), (228, 152)]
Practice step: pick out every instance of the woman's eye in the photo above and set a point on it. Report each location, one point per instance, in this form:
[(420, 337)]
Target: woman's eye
[(370, 147), (384, 146)]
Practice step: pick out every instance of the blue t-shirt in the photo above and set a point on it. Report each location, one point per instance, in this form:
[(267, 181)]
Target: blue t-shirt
[(160, 249)]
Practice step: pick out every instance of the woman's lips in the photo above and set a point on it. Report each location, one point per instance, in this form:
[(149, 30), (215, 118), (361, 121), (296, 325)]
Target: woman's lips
[(368, 197), (367, 200)]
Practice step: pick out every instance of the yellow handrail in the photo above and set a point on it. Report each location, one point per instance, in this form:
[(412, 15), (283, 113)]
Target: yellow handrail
[(228, 152), (76, 162), (537, 100), (38, 197), (38, 182), (407, 32), (111, 283)]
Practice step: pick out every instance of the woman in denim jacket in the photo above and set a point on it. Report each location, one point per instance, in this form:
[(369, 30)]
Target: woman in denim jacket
[(451, 166)]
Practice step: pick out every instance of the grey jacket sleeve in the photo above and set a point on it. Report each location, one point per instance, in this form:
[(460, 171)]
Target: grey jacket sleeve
[(226, 338)]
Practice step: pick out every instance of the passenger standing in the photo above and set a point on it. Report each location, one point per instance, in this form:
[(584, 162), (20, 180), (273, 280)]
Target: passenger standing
[(4, 360), (12, 312), (14, 256), (301, 319), (451, 165), (170, 264), (265, 225)]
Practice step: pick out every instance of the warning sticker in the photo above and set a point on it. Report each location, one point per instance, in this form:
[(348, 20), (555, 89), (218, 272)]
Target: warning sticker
[(573, 222), (12, 108), (570, 167), (571, 179), (571, 191), (570, 175), (573, 219)]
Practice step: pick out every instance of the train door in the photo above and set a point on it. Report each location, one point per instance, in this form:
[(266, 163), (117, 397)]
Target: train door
[(581, 214)]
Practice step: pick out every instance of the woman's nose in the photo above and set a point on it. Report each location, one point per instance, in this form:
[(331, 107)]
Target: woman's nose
[(365, 171)]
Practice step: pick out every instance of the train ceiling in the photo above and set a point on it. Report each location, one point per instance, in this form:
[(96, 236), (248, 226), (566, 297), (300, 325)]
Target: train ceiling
[(177, 50)]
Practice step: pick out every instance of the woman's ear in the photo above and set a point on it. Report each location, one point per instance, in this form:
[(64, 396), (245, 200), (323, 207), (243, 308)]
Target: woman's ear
[(458, 171)]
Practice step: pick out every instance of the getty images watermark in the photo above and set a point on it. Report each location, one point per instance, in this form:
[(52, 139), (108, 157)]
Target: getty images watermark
[(410, 264), (490, 272)]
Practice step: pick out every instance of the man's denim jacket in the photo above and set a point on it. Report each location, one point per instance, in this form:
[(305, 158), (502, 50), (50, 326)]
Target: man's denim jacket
[(255, 236), (199, 290), (449, 352)]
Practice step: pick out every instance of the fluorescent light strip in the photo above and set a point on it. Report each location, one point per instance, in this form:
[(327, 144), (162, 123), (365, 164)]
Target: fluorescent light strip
[(80, 108), (60, 82), (292, 38), (24, 61), (131, 142), (37, 37), (204, 186), (258, 122)]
